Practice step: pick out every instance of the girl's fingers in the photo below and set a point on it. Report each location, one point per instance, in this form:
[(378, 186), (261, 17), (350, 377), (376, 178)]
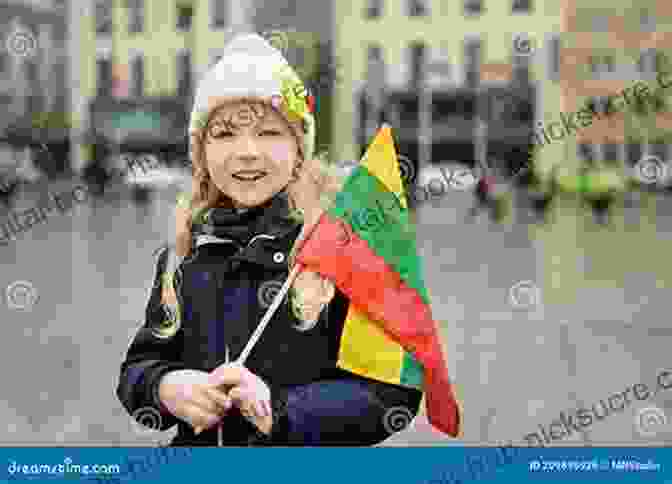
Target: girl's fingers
[(227, 374), (219, 398), (204, 400), (200, 419)]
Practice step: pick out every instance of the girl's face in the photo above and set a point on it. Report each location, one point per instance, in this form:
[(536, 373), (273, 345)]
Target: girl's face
[(250, 152)]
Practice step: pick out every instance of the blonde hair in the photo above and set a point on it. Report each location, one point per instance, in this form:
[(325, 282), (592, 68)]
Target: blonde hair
[(310, 292)]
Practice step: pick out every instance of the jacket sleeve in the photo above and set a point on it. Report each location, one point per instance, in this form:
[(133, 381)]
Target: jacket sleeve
[(343, 409), (151, 355)]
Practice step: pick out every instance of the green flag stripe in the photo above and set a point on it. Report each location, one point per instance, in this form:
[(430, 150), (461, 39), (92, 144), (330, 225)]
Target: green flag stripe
[(376, 216), (412, 373)]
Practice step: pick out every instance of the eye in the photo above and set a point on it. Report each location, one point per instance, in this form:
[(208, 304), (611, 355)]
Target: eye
[(221, 133), (271, 132)]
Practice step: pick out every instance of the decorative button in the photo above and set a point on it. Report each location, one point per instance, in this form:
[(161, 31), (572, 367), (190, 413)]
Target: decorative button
[(278, 257)]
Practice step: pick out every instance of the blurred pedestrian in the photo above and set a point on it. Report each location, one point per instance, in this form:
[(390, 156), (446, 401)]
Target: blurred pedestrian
[(491, 194), (252, 151)]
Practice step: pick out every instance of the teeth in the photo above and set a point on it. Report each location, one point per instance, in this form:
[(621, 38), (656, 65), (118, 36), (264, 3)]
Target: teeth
[(250, 177)]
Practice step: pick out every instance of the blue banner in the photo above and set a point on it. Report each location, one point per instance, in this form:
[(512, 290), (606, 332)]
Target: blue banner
[(435, 465)]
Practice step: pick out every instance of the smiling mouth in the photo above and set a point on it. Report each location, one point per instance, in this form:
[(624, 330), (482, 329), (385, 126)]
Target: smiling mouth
[(249, 176)]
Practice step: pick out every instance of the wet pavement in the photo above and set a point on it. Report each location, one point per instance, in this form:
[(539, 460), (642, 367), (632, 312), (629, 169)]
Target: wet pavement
[(601, 323)]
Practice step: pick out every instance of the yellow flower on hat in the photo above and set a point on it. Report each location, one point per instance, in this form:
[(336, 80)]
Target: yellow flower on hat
[(294, 95)]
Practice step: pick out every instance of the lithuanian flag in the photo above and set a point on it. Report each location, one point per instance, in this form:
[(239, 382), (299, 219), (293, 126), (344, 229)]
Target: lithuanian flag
[(364, 243)]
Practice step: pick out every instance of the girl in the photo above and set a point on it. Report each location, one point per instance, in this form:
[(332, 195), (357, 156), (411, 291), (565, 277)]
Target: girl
[(252, 138)]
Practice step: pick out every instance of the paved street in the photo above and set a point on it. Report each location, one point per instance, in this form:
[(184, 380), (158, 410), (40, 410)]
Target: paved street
[(602, 323)]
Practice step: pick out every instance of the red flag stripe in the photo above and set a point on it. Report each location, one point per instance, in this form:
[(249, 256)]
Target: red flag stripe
[(339, 254)]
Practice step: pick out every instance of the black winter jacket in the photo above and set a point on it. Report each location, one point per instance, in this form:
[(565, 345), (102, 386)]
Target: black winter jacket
[(238, 263)]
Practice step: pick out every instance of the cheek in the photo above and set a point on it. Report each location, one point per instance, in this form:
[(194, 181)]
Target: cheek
[(283, 154)]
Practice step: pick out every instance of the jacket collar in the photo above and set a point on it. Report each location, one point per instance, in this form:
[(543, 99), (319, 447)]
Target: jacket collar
[(263, 234)]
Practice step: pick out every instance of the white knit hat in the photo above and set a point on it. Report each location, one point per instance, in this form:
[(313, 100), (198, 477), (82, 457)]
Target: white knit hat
[(250, 67)]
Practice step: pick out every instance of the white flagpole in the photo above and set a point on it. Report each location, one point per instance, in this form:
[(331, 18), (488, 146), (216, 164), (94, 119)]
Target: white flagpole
[(269, 314)]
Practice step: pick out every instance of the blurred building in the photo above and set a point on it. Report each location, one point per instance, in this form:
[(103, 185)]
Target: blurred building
[(139, 61), (33, 77), (606, 52), (453, 48), (304, 31)]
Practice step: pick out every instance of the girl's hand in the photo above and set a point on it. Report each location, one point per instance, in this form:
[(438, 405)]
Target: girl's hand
[(306, 191), (247, 392), (253, 398), (190, 396)]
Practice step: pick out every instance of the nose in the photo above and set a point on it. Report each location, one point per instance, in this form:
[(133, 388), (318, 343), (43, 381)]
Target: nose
[(247, 148)]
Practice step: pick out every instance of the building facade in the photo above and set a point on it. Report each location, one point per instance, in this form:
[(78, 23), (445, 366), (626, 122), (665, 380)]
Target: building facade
[(452, 47), (33, 71), (141, 59), (614, 59), (139, 63)]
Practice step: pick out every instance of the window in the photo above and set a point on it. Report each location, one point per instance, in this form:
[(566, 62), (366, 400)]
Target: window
[(611, 153), (103, 17), (374, 53), (600, 23), (554, 58), (647, 61), (418, 53), (289, 9), (417, 8), (522, 6), (219, 10), (136, 16), (4, 64), (374, 9), (586, 152), (185, 13), (647, 21), (472, 61), (184, 85), (138, 76), (104, 77), (659, 150), (375, 67), (633, 153), (473, 7), (600, 64), (521, 69)]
